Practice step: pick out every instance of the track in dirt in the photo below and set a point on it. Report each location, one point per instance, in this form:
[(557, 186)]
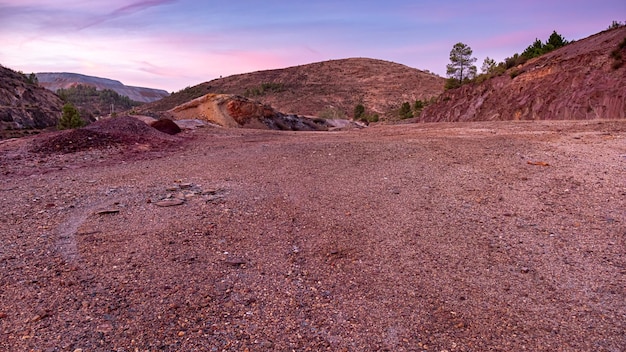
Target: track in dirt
[(459, 237)]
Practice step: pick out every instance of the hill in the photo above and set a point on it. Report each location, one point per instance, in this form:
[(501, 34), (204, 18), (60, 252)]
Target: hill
[(55, 81), (24, 104), (582, 80), (93, 103), (329, 89)]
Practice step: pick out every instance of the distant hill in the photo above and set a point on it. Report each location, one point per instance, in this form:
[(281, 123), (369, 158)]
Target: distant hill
[(55, 81), (93, 103), (24, 104), (582, 80), (329, 89)]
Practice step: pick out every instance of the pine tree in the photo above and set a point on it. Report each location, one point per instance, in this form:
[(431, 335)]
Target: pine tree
[(462, 66), (70, 118)]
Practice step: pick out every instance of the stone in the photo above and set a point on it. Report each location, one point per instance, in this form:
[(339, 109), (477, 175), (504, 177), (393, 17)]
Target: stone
[(169, 202), (107, 211), (525, 270), (235, 261)]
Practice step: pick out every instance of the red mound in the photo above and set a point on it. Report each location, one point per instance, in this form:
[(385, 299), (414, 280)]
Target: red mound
[(115, 132), (166, 126)]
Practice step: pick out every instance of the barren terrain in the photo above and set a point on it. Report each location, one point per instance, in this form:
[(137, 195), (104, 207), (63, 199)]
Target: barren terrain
[(329, 89), (502, 236)]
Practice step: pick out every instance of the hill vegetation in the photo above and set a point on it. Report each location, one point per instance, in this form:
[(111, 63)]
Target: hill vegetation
[(58, 80), (92, 102), (461, 55)]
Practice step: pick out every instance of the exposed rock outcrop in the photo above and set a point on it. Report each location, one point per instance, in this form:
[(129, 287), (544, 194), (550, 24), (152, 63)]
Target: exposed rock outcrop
[(234, 111), (24, 104), (577, 81), (56, 80)]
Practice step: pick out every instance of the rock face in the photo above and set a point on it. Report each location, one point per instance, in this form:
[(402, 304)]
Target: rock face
[(330, 89), (234, 111), (54, 81), (26, 105), (577, 81)]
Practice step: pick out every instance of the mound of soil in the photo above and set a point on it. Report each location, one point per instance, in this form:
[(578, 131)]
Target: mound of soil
[(166, 126), (73, 141), (109, 133)]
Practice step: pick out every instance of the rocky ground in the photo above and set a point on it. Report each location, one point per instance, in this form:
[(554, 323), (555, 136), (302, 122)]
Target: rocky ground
[(503, 236)]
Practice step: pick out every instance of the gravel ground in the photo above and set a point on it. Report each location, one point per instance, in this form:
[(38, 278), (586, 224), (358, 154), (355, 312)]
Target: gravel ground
[(499, 236)]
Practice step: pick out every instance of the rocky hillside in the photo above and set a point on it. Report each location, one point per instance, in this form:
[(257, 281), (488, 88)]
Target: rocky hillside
[(583, 80), (54, 81), (329, 89), (24, 104)]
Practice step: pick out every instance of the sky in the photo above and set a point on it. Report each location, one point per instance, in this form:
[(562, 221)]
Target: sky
[(172, 44)]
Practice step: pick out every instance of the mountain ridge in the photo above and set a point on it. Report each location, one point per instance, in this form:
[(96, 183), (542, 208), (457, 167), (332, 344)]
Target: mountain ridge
[(63, 80)]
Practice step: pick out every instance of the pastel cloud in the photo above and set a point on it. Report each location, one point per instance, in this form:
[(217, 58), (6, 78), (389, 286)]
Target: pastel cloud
[(174, 43)]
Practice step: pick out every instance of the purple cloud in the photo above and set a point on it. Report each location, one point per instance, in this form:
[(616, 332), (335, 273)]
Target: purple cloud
[(126, 10)]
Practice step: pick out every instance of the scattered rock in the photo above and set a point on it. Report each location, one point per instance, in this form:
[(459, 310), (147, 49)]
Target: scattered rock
[(169, 202), (104, 328), (107, 211), (538, 163), (40, 316), (235, 261)]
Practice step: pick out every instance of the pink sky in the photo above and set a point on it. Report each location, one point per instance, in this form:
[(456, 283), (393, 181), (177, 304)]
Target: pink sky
[(172, 44)]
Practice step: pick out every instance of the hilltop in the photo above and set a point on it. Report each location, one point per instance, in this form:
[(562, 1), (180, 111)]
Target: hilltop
[(582, 80), (328, 89), (54, 81)]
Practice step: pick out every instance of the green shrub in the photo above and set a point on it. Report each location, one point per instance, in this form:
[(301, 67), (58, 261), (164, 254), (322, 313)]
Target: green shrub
[(264, 88), (367, 118), (452, 83), (617, 55), (70, 118), (331, 112), (405, 111), (359, 110)]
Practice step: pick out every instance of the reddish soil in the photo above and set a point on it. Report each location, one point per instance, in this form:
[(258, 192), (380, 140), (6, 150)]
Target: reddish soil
[(500, 236)]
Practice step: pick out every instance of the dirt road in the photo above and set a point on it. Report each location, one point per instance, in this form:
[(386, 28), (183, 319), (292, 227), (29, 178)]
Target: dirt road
[(505, 236)]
